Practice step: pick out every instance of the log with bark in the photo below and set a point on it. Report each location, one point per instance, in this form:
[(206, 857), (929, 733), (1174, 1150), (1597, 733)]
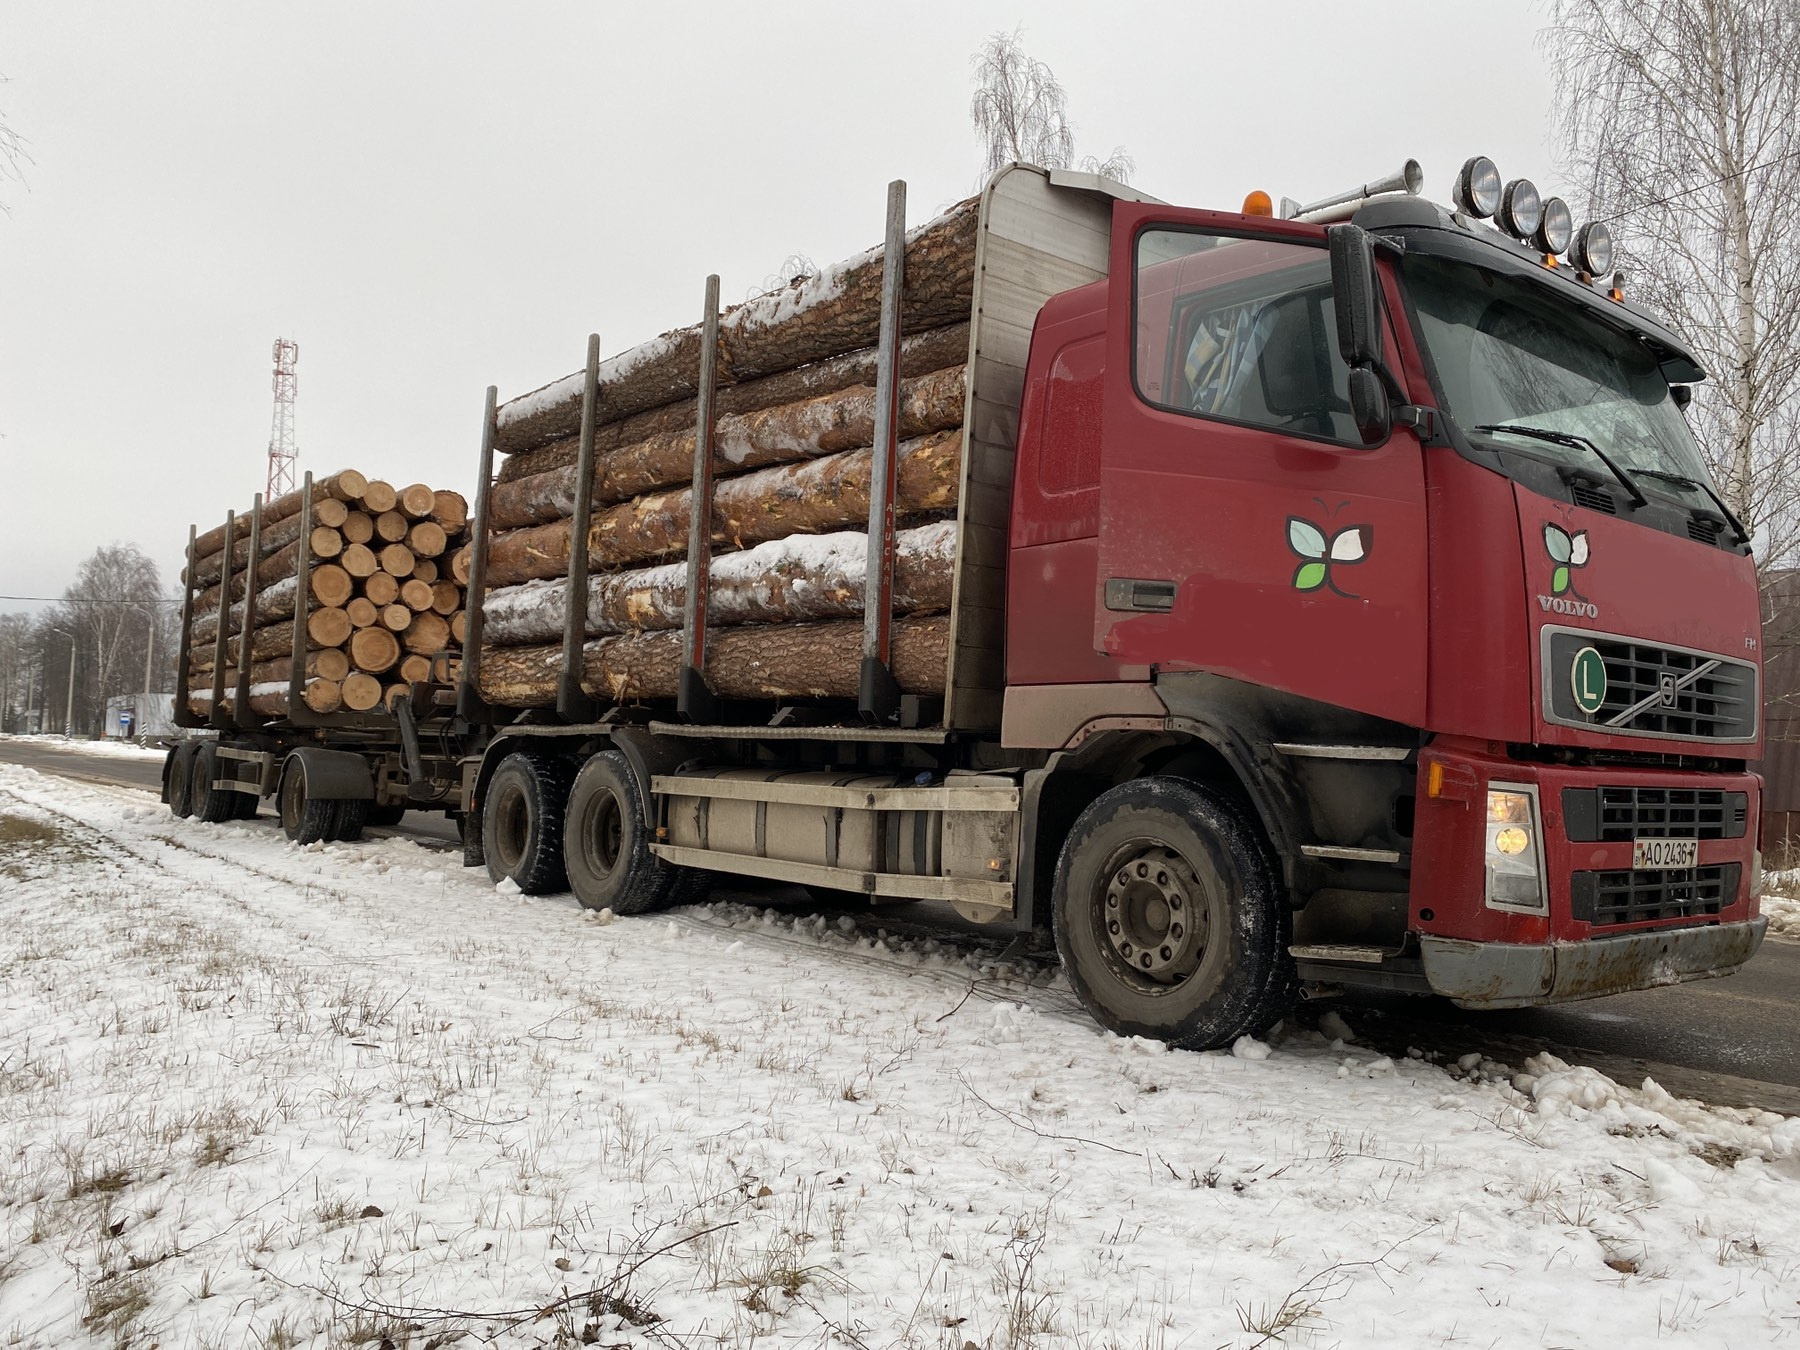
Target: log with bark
[(920, 354), (811, 497), (284, 506), (805, 577), (844, 420), (777, 661), (814, 318)]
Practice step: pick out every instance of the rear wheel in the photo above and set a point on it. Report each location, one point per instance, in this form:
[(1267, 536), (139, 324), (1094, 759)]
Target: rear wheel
[(209, 803), (304, 819), (522, 822), (352, 815), (1168, 919), (177, 789), (606, 844)]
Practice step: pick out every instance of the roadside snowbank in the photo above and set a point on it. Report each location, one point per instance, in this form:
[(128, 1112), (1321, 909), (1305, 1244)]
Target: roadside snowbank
[(257, 1094), (104, 749)]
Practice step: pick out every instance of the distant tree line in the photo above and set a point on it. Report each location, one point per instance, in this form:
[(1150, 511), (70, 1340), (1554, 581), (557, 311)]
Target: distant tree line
[(117, 627)]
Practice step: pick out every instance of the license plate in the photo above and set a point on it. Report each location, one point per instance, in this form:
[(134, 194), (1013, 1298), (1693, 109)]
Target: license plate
[(1662, 855)]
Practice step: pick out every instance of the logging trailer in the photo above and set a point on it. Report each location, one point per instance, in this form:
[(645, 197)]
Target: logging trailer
[(1339, 599)]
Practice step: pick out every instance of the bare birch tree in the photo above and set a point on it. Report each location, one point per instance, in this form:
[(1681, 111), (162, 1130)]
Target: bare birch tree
[(1021, 112), (1682, 123), (13, 155)]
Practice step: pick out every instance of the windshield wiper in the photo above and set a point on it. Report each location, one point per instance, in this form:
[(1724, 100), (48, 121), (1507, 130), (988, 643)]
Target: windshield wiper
[(1703, 486), (1574, 443)]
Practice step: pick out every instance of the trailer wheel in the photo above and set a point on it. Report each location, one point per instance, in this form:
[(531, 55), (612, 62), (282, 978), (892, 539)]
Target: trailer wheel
[(209, 803), (352, 815), (177, 790), (1168, 919), (522, 822), (606, 844), (304, 819)]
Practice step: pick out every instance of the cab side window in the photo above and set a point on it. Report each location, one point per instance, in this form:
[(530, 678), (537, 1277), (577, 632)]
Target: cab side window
[(1241, 330)]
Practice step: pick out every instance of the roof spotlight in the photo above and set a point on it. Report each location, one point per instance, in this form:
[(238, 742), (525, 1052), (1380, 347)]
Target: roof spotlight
[(1593, 250), (1520, 208), (1478, 188), (1554, 230)]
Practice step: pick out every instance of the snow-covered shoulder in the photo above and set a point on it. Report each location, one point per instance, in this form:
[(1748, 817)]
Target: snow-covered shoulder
[(259, 1094)]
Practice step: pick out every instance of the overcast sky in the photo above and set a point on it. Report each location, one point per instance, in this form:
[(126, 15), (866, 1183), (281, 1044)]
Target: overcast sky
[(432, 198)]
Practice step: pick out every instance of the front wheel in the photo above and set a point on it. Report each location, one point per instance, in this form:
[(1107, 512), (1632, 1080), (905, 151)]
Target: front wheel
[(305, 819), (522, 822), (177, 790), (1168, 918)]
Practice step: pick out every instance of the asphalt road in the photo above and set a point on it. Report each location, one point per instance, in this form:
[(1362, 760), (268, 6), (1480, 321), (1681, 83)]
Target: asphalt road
[(1732, 1041)]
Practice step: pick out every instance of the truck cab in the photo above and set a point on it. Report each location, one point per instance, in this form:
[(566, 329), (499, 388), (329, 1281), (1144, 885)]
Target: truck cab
[(1389, 532)]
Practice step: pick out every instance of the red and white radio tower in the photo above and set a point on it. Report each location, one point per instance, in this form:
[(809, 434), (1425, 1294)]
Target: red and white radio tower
[(282, 451)]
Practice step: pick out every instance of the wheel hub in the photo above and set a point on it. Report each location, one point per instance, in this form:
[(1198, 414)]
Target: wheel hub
[(1151, 913)]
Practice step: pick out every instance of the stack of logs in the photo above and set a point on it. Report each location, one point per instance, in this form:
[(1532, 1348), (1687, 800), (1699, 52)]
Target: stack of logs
[(795, 415), (387, 573)]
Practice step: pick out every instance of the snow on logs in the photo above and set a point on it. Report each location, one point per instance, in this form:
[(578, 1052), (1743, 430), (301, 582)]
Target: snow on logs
[(375, 618), (795, 425)]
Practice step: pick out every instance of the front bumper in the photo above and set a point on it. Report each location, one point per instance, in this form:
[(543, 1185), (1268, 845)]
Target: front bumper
[(1518, 975)]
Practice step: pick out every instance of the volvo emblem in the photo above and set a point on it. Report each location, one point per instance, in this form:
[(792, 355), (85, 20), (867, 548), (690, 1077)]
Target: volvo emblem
[(1666, 688)]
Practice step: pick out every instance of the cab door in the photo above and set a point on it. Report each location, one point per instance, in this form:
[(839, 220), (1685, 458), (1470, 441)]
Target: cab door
[(1245, 529)]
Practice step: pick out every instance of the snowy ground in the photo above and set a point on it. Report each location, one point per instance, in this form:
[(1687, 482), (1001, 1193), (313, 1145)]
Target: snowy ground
[(1781, 903), (253, 1095), (104, 749)]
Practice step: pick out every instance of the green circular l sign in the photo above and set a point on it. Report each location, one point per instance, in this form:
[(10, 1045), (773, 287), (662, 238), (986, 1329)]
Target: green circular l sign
[(1587, 679)]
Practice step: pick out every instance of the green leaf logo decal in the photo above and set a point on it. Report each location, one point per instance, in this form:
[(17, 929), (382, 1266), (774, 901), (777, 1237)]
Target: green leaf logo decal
[(1568, 552), (1318, 555)]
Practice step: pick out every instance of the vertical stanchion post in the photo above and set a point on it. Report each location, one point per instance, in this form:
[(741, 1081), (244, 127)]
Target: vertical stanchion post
[(185, 649), (240, 706), (469, 703), (879, 694), (571, 701), (302, 603), (222, 638), (695, 698)]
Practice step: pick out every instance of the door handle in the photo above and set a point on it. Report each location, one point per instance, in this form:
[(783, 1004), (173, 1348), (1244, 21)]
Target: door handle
[(1129, 594)]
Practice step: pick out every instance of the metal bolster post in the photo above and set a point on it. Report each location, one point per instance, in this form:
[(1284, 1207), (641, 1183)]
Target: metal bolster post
[(572, 701), (240, 710), (694, 697), (469, 703), (221, 639), (879, 695), (185, 652), (302, 606)]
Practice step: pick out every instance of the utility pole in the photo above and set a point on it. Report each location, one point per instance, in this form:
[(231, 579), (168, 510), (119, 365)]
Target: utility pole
[(69, 712)]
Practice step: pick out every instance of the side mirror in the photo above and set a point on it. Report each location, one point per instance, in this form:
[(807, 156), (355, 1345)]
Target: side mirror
[(1369, 407), (1683, 394), (1353, 294)]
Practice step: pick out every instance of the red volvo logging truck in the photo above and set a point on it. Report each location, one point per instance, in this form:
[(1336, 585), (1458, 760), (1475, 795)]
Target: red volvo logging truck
[(1340, 600)]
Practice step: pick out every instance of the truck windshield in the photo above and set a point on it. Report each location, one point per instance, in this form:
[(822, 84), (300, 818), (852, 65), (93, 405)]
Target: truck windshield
[(1508, 354)]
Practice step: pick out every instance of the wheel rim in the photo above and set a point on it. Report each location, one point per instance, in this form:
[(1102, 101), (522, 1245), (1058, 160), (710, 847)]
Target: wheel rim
[(293, 798), (603, 834), (1152, 916), (512, 824)]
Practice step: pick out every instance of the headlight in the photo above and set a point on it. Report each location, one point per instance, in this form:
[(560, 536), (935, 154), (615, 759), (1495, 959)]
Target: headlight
[(1514, 863), (1478, 188), (1593, 250), (1520, 208), (1555, 229)]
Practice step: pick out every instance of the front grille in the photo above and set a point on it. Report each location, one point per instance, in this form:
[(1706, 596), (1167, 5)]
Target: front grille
[(1653, 690), (1621, 814), (1606, 899)]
